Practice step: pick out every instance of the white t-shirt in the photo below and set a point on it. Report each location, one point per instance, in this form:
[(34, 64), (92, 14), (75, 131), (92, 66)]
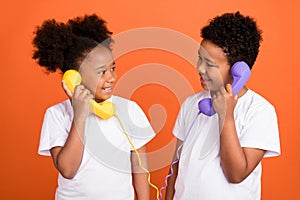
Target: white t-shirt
[(105, 170), (200, 175)]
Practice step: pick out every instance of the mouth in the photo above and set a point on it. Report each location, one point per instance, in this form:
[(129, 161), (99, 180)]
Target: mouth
[(204, 80), (107, 90)]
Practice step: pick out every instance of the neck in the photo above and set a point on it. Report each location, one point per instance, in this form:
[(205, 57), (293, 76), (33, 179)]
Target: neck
[(242, 92)]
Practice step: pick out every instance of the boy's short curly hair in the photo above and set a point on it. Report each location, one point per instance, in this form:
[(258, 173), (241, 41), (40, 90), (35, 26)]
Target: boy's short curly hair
[(63, 46), (237, 35)]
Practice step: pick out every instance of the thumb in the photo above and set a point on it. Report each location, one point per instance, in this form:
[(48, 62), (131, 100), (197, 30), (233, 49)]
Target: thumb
[(229, 89)]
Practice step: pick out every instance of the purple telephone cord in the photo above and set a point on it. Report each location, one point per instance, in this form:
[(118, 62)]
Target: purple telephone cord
[(177, 160)]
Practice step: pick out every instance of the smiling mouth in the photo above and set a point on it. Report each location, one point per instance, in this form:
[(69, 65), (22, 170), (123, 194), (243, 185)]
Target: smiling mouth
[(107, 89), (205, 80)]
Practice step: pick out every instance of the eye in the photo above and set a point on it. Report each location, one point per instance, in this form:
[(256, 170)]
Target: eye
[(210, 64), (101, 72), (113, 68)]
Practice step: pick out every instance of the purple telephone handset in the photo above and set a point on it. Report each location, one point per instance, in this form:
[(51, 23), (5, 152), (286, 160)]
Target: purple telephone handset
[(241, 73)]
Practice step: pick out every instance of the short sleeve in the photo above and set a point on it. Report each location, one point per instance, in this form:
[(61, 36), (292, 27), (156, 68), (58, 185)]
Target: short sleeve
[(186, 116), (261, 131), (54, 131), (141, 131), (179, 127)]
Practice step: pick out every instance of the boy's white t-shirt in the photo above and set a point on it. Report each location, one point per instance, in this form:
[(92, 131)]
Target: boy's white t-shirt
[(105, 170), (200, 175)]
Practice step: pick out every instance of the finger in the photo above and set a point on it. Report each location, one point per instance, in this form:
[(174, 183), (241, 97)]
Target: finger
[(66, 89), (212, 93), (84, 93), (78, 90), (218, 94), (89, 96), (223, 90), (214, 96), (229, 89)]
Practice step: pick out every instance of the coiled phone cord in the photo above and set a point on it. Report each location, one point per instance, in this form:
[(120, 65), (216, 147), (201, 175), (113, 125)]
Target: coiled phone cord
[(177, 159), (138, 156)]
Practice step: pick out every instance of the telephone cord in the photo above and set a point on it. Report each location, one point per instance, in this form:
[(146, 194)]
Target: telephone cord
[(138, 156), (177, 159)]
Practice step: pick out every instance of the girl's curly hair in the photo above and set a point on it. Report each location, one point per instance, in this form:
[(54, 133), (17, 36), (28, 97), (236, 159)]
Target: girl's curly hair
[(237, 35), (63, 46)]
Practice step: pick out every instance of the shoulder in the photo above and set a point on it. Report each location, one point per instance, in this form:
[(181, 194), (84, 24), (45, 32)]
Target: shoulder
[(122, 102), (63, 107), (255, 99), (118, 99), (124, 105), (254, 103)]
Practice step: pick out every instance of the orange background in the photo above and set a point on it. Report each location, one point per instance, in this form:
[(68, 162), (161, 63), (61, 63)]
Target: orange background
[(26, 91)]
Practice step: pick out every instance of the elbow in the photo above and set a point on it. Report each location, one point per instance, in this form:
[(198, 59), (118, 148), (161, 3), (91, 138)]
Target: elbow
[(235, 175), (67, 174), (235, 178)]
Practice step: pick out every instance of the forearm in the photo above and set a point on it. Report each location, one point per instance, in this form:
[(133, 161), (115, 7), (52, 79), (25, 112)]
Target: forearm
[(170, 191), (141, 186), (233, 158), (140, 176), (68, 158), (237, 162)]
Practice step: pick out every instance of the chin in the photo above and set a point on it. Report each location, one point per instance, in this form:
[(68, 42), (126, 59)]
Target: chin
[(102, 98), (204, 87)]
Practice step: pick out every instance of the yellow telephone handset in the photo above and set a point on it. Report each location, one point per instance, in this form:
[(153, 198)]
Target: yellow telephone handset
[(104, 110)]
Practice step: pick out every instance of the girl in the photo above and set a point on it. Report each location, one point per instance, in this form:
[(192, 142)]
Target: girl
[(92, 155)]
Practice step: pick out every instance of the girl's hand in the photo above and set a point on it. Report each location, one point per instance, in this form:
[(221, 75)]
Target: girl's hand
[(223, 101), (80, 102)]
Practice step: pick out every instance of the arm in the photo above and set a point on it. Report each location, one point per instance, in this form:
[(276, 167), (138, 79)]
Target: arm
[(140, 177), (67, 159), (237, 162), (170, 191)]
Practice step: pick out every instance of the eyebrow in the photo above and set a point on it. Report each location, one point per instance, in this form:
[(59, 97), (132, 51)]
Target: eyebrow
[(209, 60), (205, 58), (104, 66)]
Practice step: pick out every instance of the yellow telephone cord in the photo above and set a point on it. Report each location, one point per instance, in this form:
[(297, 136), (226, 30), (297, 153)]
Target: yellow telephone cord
[(138, 155)]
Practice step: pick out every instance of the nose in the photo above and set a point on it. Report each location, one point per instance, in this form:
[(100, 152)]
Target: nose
[(201, 67)]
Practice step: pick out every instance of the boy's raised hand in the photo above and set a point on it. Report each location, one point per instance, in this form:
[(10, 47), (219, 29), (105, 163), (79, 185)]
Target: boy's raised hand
[(223, 100)]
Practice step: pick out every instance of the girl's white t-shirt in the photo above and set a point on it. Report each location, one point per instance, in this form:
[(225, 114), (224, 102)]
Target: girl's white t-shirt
[(105, 170), (200, 174)]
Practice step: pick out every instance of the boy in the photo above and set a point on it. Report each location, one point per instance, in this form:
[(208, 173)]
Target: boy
[(221, 157)]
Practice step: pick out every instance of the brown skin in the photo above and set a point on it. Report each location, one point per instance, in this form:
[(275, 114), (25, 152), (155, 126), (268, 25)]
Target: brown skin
[(170, 191), (98, 78), (237, 162)]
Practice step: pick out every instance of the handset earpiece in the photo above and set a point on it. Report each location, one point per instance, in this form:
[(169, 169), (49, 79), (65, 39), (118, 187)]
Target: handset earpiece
[(104, 110), (72, 78), (240, 72)]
